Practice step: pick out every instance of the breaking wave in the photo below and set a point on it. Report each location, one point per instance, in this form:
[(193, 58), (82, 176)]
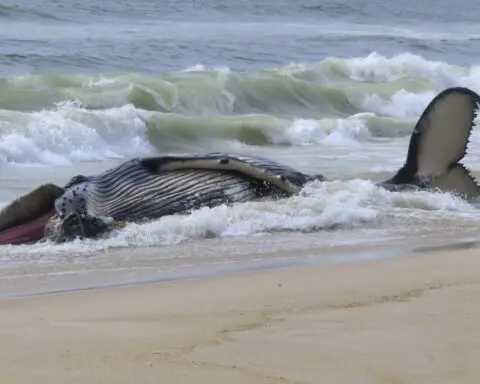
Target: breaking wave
[(333, 206), (59, 118)]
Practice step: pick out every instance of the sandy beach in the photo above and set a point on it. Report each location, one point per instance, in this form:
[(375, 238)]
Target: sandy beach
[(304, 281), (411, 319)]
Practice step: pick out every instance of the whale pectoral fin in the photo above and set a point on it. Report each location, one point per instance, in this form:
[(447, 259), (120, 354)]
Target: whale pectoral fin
[(284, 178), (440, 138)]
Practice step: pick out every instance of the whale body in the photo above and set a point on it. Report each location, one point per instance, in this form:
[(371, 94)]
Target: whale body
[(143, 189)]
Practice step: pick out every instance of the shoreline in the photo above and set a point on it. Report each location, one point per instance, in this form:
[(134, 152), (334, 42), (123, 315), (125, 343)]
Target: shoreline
[(239, 268), (398, 320)]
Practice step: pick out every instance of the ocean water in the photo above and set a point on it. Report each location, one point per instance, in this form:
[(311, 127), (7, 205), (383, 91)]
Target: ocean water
[(331, 87)]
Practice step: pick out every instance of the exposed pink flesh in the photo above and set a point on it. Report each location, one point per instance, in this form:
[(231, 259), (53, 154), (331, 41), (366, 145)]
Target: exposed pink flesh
[(26, 233)]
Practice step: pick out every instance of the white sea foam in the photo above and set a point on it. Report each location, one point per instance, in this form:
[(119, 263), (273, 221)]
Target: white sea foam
[(335, 132), (70, 133), (378, 68), (322, 206), (400, 104)]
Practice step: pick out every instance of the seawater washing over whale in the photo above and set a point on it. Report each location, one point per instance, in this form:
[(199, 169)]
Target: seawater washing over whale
[(145, 189)]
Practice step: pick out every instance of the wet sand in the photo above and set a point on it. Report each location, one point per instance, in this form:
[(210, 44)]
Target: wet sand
[(412, 319)]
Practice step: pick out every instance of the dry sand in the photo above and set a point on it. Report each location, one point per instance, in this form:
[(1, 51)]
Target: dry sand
[(409, 320)]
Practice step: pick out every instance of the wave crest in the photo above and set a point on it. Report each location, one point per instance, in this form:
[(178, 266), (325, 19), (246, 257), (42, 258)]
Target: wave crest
[(66, 118)]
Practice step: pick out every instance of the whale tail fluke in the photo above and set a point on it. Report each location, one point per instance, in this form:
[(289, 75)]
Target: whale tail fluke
[(438, 143), (458, 180)]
